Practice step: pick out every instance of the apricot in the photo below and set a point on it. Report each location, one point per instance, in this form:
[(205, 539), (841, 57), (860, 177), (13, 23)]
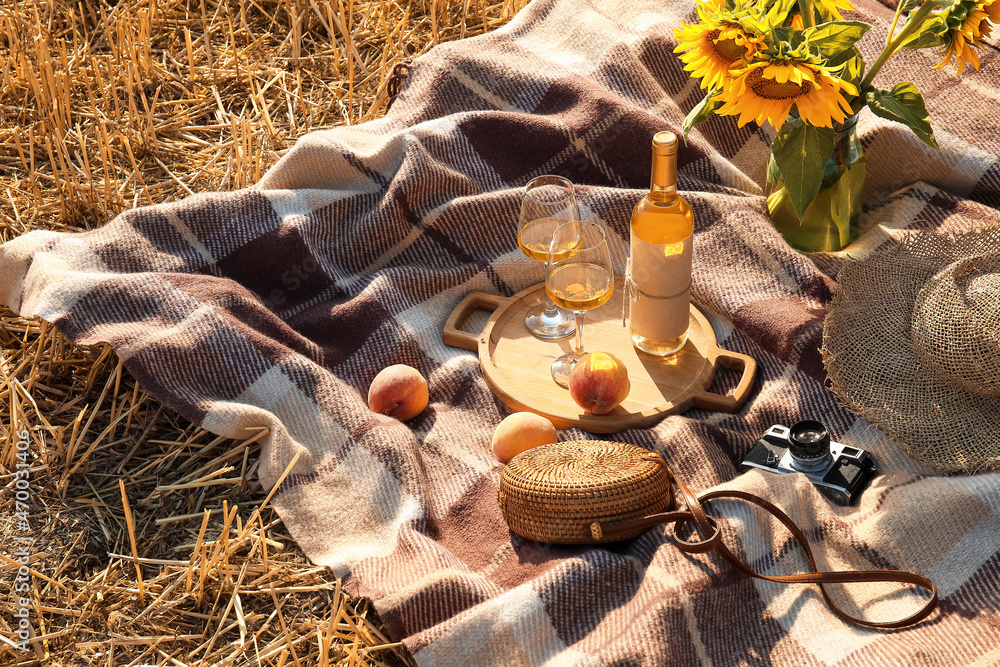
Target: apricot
[(399, 391), (521, 431), (599, 382)]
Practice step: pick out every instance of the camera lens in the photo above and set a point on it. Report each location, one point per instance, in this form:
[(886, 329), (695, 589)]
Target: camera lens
[(809, 444)]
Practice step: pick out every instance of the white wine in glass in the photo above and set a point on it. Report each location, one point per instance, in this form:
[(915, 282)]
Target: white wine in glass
[(535, 238), (580, 286), (579, 276), (549, 201)]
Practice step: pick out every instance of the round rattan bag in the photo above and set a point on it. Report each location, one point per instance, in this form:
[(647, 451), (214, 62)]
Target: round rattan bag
[(585, 492), (564, 492)]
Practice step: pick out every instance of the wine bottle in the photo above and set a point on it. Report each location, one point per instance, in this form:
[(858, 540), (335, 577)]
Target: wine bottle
[(660, 258)]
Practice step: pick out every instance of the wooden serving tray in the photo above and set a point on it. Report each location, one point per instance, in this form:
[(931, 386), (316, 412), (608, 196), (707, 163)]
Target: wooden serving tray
[(516, 364)]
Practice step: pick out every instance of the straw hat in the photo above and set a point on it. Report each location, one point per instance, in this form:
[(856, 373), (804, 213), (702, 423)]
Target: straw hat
[(912, 344)]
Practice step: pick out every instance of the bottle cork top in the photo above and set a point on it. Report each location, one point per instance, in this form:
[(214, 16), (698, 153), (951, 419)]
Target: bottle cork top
[(665, 143)]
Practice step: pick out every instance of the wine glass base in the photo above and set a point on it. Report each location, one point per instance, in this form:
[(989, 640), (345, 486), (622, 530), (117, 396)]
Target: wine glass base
[(562, 367), (544, 327)]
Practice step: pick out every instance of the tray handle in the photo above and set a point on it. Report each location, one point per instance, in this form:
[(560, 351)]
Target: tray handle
[(732, 403), (473, 301)]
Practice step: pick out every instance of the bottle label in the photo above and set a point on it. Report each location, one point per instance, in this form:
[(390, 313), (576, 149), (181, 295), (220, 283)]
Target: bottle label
[(661, 296)]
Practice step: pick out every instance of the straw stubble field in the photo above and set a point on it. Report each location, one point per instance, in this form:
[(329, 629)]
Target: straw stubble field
[(147, 540)]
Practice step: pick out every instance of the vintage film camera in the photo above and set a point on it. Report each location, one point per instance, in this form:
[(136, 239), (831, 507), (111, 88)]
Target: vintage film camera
[(839, 472)]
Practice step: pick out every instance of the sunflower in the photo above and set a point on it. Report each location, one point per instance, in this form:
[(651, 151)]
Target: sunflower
[(715, 45), (969, 31), (766, 90)]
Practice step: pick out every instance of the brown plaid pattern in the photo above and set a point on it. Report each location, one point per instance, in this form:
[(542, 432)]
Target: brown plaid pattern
[(276, 306)]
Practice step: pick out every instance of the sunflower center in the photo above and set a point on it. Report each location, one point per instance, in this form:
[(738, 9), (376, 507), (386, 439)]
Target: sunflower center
[(727, 48), (770, 89)]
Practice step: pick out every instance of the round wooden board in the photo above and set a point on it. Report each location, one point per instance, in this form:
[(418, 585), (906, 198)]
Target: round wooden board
[(516, 364)]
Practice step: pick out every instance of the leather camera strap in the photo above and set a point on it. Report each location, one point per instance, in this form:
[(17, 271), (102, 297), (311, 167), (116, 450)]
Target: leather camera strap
[(710, 538)]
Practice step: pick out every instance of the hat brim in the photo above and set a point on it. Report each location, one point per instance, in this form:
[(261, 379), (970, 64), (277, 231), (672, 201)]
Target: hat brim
[(874, 367)]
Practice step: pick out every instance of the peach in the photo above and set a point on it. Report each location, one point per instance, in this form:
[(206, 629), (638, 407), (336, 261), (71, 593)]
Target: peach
[(521, 431), (599, 382), (399, 391)]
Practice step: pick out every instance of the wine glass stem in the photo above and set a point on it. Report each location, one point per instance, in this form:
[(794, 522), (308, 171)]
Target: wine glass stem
[(551, 312), (578, 352)]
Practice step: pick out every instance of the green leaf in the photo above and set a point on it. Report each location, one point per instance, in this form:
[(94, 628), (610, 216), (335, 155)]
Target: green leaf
[(933, 32), (855, 70), (778, 12), (846, 56), (821, 14), (833, 38), (910, 5), (801, 151), (903, 104), (701, 112), (791, 37)]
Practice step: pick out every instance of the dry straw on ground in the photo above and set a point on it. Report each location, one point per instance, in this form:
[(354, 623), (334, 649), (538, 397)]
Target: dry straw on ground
[(148, 539)]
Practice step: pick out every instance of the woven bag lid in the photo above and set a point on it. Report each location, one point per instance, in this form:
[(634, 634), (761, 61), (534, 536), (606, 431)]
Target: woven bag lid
[(554, 493)]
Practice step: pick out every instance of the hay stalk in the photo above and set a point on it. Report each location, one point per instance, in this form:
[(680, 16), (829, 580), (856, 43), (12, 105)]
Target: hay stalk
[(149, 539)]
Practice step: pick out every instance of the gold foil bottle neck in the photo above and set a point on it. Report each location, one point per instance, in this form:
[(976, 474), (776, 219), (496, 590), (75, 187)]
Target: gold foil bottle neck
[(664, 176), (665, 143)]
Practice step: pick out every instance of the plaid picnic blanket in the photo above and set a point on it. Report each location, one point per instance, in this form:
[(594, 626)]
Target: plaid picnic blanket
[(276, 306)]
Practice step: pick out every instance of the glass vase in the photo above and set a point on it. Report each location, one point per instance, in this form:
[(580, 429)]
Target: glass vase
[(831, 220)]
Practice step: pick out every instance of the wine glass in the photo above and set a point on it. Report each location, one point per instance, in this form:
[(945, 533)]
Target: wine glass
[(579, 276), (548, 202)]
